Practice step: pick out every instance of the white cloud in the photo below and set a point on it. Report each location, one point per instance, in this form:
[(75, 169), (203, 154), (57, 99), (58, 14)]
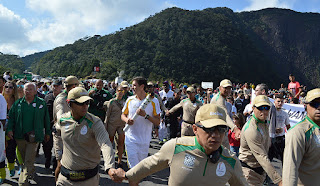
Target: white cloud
[(59, 22), (260, 4)]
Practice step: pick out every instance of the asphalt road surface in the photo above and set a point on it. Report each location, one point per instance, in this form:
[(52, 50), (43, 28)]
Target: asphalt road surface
[(45, 177)]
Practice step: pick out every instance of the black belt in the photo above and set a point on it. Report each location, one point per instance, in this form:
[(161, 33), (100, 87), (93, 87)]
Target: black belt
[(79, 175), (258, 170), (191, 123)]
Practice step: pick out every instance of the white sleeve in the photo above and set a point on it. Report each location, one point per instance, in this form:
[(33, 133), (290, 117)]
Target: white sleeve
[(3, 108)]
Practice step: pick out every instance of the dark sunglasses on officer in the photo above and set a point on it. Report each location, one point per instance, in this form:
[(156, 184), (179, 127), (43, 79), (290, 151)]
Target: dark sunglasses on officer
[(314, 104), (263, 107), (220, 128), (80, 104)]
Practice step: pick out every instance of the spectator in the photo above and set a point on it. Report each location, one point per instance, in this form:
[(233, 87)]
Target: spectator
[(293, 88), (234, 142)]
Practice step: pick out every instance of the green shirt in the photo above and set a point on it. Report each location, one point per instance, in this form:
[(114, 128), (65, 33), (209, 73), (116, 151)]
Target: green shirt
[(24, 117), (94, 109)]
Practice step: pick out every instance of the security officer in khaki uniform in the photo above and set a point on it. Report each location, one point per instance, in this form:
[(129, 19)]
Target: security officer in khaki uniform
[(189, 106), (197, 160), (83, 136), (301, 164), (220, 99), (113, 121), (255, 143), (60, 104)]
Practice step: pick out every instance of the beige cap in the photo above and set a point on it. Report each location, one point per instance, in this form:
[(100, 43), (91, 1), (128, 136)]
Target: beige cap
[(150, 83), (312, 95), (71, 80), (211, 115), (261, 100), (124, 84), (191, 89), (79, 94), (226, 83)]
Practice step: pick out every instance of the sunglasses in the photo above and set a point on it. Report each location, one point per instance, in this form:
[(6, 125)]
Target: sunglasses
[(120, 90), (220, 128), (261, 108), (11, 87), (314, 104), (81, 104), (20, 86)]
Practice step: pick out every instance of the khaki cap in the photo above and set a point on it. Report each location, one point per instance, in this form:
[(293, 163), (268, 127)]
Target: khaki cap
[(261, 100), (191, 89), (226, 83), (71, 80), (79, 94), (124, 84), (312, 95), (150, 83), (211, 115)]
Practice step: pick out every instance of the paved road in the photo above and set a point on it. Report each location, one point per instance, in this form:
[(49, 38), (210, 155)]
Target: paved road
[(45, 177)]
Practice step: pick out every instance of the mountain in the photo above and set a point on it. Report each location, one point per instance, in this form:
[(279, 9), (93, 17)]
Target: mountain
[(33, 58), (12, 63), (194, 46)]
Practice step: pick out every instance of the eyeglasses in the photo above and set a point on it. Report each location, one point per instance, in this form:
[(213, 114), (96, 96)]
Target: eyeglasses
[(81, 104), (220, 128), (20, 86), (314, 104), (261, 108), (11, 87)]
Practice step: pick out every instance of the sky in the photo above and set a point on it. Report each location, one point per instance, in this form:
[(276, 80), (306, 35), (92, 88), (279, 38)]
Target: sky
[(29, 26)]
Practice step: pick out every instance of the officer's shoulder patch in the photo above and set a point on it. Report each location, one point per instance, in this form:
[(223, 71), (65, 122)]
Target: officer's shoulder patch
[(184, 143)]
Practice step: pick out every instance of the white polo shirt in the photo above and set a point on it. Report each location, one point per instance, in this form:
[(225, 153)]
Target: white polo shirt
[(140, 131), (169, 94)]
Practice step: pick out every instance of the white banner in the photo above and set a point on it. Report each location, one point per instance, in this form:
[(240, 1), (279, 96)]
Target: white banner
[(206, 85)]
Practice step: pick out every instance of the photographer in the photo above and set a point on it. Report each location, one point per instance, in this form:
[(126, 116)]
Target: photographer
[(99, 96)]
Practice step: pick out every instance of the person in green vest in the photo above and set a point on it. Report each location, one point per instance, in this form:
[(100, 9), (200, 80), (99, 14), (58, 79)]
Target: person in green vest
[(28, 124), (99, 96)]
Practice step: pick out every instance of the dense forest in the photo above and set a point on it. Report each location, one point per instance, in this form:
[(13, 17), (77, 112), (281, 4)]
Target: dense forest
[(194, 46)]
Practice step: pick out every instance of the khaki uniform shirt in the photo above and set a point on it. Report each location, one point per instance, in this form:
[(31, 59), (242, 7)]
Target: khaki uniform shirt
[(114, 111), (189, 165), (302, 153), (83, 142), (219, 100), (60, 106), (189, 109), (254, 147)]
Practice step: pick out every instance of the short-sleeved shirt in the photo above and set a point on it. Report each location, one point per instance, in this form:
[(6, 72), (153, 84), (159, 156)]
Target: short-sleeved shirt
[(140, 131), (294, 87), (168, 95), (282, 121)]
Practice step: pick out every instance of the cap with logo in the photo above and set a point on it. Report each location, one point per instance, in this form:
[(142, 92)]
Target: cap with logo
[(124, 84), (261, 100), (226, 83), (79, 94), (71, 80), (312, 95), (191, 89), (211, 115)]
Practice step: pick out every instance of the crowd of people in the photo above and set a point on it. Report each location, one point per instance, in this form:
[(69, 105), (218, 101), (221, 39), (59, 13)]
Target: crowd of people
[(225, 135)]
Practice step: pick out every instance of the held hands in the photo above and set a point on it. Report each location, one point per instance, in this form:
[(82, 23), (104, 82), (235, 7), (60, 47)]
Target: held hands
[(130, 121), (117, 175)]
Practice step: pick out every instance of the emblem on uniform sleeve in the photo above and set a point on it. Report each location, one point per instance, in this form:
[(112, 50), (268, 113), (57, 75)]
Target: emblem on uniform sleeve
[(189, 160), (221, 169)]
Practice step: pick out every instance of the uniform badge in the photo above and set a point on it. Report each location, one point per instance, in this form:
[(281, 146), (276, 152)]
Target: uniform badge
[(221, 169), (189, 160), (84, 130), (34, 105), (67, 126), (317, 139), (41, 106), (104, 95)]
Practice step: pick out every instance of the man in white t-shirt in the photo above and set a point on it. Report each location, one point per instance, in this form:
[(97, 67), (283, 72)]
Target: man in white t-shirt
[(166, 93), (282, 124), (138, 136)]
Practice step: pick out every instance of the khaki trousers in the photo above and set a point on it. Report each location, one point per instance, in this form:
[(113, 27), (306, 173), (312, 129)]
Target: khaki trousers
[(62, 180), (28, 154), (253, 178), (186, 129)]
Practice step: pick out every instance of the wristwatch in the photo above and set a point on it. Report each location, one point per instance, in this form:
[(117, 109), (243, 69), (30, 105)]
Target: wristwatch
[(147, 116)]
